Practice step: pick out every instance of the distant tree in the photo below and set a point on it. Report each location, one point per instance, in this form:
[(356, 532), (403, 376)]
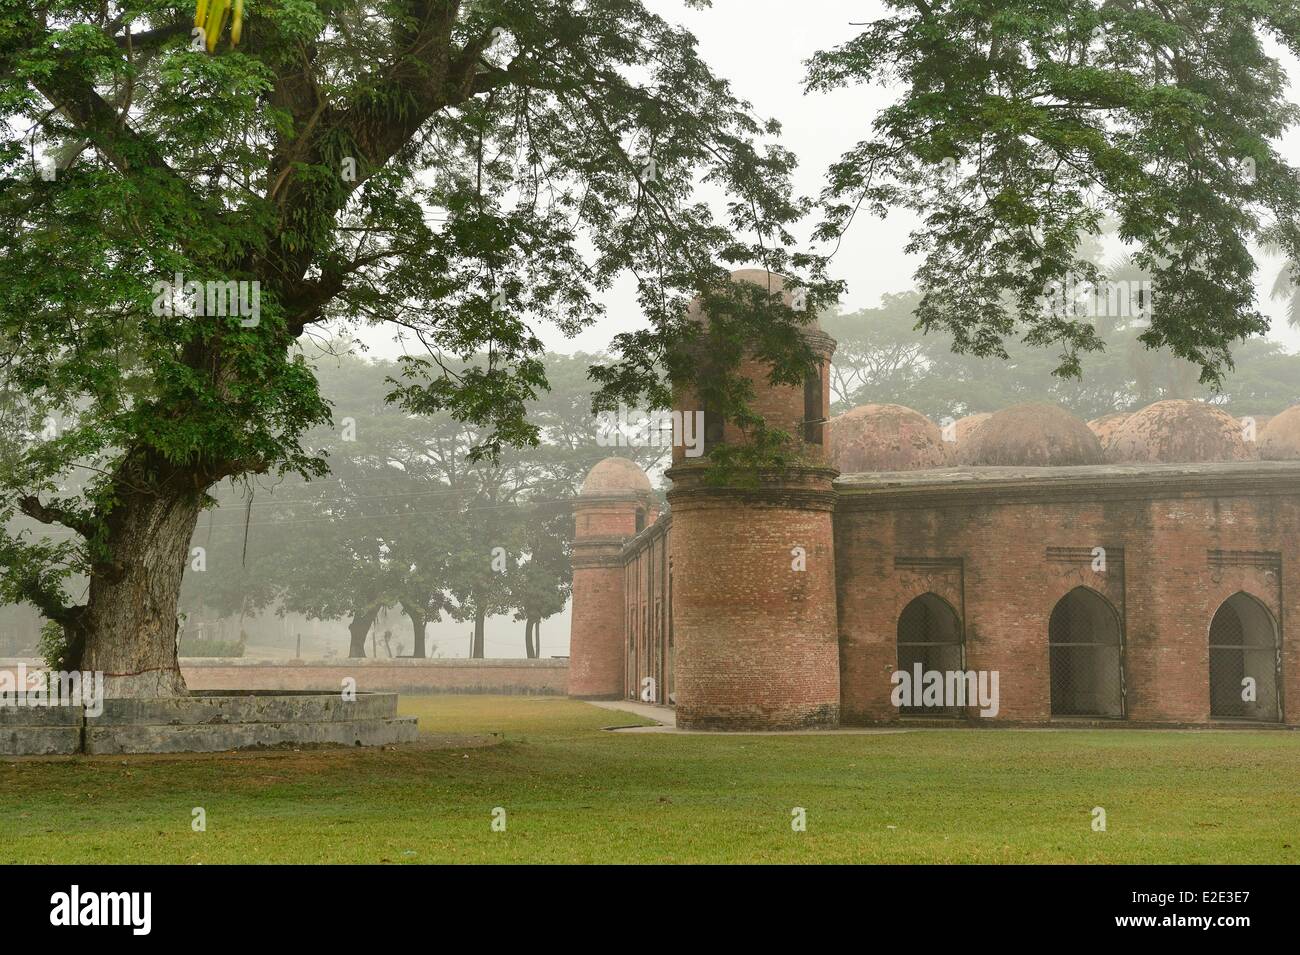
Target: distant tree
[(879, 356), (1124, 375), (406, 517), (1265, 379), (317, 548), (542, 582)]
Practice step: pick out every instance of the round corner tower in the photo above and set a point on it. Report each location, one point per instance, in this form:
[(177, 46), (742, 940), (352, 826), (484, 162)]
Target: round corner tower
[(615, 503), (754, 590)]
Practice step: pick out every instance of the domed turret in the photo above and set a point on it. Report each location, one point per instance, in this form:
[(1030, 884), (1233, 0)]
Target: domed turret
[(742, 618), (616, 503), (885, 437), (1279, 439), (615, 476), (1178, 431), (1032, 435), (799, 411)]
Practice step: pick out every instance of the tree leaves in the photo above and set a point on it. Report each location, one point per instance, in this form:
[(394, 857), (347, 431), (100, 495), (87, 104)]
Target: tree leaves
[(463, 172), (1020, 126)]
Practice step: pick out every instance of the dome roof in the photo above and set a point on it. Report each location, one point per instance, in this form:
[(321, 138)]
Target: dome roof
[(964, 428), (885, 438), (615, 476), (1279, 439), (1178, 431), (1032, 435), (1106, 426)]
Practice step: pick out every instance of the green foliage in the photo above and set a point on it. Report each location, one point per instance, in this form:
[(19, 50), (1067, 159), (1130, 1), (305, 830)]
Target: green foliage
[(882, 358), (1022, 125), (462, 172), (52, 645)]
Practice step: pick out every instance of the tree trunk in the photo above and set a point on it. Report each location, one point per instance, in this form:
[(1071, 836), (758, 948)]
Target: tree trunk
[(478, 635), (358, 628), (528, 637), (128, 627), (418, 622)]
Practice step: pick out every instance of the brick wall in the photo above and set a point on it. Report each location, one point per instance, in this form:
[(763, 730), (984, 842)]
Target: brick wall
[(540, 677), (647, 598), (755, 639), (597, 632), (1004, 546)]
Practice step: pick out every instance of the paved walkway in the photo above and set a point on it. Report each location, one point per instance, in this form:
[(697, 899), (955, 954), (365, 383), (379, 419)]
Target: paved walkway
[(666, 717)]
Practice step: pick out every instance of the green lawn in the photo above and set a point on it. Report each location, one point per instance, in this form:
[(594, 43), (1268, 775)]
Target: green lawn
[(575, 793)]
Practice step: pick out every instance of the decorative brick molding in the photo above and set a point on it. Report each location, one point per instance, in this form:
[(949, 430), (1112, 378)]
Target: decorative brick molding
[(940, 487), (1269, 560)]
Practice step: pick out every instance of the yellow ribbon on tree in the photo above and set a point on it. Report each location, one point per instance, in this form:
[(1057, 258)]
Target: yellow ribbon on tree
[(210, 16)]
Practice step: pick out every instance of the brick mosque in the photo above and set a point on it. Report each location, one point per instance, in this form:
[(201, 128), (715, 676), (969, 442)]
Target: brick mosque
[(1138, 569)]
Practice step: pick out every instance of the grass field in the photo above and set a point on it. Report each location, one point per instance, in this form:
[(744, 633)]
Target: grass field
[(575, 793)]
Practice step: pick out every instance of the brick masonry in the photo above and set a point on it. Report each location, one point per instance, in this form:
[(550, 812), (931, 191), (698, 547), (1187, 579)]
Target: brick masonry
[(647, 598), (754, 645), (604, 522), (541, 677), (753, 576), (711, 607), (1004, 546)]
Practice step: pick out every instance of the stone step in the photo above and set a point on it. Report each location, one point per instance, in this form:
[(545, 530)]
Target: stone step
[(221, 737), (206, 722), (29, 740), (231, 706), (39, 716)]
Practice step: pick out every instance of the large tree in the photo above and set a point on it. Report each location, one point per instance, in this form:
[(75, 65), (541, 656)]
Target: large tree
[(1021, 126), (455, 169)]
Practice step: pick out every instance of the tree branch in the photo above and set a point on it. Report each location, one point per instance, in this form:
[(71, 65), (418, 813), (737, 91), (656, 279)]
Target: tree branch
[(56, 514), (152, 38)]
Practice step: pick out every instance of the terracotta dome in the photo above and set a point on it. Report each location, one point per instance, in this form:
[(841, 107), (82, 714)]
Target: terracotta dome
[(1106, 426), (1178, 431), (615, 476), (1279, 439), (885, 438), (964, 428), (1032, 435)]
